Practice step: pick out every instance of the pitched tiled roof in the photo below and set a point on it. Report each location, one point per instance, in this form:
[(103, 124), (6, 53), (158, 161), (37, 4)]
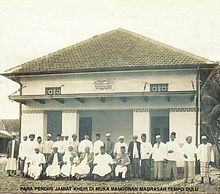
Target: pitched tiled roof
[(112, 51)]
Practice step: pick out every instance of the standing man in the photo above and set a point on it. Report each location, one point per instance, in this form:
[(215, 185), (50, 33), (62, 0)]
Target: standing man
[(12, 155), (117, 149), (59, 144), (40, 144), (146, 155), (65, 142), (159, 157), (189, 153), (85, 143), (74, 143), (109, 145), (22, 154), (206, 158), (172, 154), (98, 143), (48, 146), (135, 155)]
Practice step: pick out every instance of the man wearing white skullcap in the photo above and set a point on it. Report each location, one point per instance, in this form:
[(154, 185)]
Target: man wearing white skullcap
[(206, 158), (117, 149), (159, 156), (36, 163), (109, 145), (48, 146), (189, 153)]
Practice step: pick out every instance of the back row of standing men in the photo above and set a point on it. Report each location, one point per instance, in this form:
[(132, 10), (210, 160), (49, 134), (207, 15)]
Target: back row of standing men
[(69, 158)]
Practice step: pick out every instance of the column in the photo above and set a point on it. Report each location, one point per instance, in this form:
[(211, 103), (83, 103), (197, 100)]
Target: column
[(34, 121), (141, 122), (183, 122), (70, 122)]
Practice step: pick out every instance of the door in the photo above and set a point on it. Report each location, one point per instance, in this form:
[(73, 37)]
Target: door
[(54, 123), (85, 127), (160, 126)]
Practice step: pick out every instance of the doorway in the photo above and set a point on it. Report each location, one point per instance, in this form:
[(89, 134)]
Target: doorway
[(159, 125), (85, 127)]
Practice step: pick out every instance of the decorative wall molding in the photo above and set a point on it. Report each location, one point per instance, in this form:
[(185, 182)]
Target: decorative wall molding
[(140, 110), (32, 111), (182, 109), (69, 111)]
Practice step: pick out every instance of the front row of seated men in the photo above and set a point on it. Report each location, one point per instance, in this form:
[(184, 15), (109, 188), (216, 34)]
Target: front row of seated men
[(71, 166)]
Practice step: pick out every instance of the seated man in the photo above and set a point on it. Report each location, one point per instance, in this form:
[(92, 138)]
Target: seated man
[(36, 163), (122, 162), (102, 166), (55, 161), (84, 164), (70, 159)]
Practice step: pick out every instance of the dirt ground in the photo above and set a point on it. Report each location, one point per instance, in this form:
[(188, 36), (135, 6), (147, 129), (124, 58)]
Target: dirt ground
[(23, 185)]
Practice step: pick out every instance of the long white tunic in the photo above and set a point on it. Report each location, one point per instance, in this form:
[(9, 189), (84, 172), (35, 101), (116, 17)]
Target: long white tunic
[(23, 149), (172, 146), (34, 168), (85, 143), (117, 148), (102, 168), (83, 168), (146, 150), (54, 169), (189, 150), (97, 146), (205, 153), (159, 152), (59, 145)]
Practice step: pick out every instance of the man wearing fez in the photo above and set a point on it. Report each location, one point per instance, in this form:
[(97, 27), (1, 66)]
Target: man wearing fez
[(172, 154), (135, 155), (206, 158), (189, 153), (22, 153), (159, 157), (12, 155), (146, 155), (109, 145)]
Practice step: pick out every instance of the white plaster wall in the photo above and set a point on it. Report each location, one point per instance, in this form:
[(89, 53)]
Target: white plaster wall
[(123, 81), (34, 123), (141, 124), (183, 123), (70, 123)]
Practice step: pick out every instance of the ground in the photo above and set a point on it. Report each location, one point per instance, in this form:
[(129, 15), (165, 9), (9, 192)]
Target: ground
[(18, 184)]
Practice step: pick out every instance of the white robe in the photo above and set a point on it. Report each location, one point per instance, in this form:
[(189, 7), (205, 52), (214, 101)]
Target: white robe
[(59, 145), (23, 149), (159, 153), (172, 145), (146, 150), (117, 148), (189, 150), (85, 143), (53, 169), (102, 168), (83, 168), (97, 146), (34, 168), (48, 147), (68, 168), (205, 153)]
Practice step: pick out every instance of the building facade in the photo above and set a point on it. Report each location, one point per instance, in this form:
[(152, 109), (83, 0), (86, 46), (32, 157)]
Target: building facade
[(119, 83)]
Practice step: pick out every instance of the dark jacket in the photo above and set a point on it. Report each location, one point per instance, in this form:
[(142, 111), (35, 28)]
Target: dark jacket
[(9, 149), (51, 156), (130, 149)]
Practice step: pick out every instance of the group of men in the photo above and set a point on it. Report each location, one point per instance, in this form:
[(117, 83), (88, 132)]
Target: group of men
[(104, 160)]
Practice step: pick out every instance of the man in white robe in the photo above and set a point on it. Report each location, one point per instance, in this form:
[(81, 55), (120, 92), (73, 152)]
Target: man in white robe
[(102, 166), (70, 160), (159, 156), (65, 142), (54, 163), (85, 143), (75, 143), (36, 164), (172, 154), (189, 153), (23, 147), (117, 148), (40, 144), (48, 146), (31, 144), (98, 143), (59, 144), (206, 158)]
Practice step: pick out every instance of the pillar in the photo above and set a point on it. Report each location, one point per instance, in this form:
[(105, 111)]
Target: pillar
[(141, 122), (70, 122), (34, 121)]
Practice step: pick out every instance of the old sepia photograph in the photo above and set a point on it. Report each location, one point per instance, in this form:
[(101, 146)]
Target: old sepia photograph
[(100, 96)]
